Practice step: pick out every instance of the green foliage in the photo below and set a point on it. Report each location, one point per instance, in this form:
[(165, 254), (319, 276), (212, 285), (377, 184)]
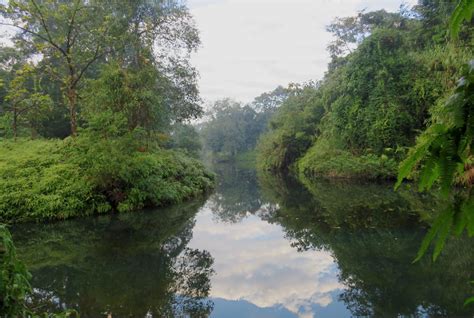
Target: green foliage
[(234, 128), (15, 288), (101, 60), (14, 278), (75, 38), (444, 154), (376, 106), (247, 160), (62, 179), (323, 161), (385, 80), (37, 182), (291, 129), (130, 93), (139, 178), (27, 105), (444, 149), (462, 12), (185, 138), (350, 31), (6, 126)]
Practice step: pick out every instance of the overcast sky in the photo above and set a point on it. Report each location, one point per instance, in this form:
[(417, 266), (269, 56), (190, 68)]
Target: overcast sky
[(252, 46)]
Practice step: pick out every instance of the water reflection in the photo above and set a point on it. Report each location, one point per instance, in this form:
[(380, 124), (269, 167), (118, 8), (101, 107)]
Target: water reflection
[(373, 235), (256, 264), (260, 246), (131, 265), (237, 194)]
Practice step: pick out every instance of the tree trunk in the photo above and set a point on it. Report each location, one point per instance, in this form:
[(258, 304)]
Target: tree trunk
[(72, 99)]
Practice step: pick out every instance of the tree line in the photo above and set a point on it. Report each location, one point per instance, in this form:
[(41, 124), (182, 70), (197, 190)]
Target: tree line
[(232, 128)]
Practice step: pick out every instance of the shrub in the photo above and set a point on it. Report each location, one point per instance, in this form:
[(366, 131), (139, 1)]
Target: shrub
[(61, 179), (322, 160)]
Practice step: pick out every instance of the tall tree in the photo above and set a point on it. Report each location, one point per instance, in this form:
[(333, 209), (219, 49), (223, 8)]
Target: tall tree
[(75, 33), (71, 37)]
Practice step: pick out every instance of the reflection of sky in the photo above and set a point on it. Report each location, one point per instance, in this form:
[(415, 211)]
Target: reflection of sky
[(256, 266)]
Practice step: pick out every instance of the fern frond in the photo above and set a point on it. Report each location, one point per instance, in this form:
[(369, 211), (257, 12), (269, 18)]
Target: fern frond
[(443, 234), (439, 226), (429, 174)]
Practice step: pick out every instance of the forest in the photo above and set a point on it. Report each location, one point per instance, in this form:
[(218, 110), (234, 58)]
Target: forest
[(390, 75), (100, 113)]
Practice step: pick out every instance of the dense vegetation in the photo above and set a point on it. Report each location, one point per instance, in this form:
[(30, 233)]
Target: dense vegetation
[(389, 73), (61, 179), (114, 79)]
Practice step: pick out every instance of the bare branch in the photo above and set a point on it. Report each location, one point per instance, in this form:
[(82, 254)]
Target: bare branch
[(27, 31), (71, 24), (45, 27)]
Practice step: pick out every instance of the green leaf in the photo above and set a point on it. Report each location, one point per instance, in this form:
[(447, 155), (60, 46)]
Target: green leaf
[(469, 301), (443, 234), (463, 11)]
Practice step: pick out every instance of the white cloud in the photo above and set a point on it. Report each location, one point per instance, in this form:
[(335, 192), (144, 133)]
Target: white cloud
[(252, 46)]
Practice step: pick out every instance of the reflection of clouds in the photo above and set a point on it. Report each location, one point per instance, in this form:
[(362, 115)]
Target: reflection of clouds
[(254, 262)]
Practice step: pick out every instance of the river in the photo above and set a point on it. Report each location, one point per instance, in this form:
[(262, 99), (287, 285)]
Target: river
[(259, 246)]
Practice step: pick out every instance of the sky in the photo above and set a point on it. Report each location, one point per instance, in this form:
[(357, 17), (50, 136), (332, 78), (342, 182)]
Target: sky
[(252, 46)]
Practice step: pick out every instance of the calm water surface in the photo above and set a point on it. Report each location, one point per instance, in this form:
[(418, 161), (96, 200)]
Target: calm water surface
[(260, 246)]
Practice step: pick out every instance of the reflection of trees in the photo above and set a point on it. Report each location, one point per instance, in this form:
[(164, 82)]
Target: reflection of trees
[(381, 281), (237, 193), (128, 265), (373, 234)]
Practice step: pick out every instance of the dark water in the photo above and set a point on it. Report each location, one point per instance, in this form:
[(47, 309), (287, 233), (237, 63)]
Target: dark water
[(260, 246)]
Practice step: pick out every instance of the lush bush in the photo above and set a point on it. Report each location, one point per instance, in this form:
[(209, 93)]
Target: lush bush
[(62, 179), (37, 181), (324, 161)]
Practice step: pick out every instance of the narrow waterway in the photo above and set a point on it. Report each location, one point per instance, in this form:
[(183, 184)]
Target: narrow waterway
[(259, 246)]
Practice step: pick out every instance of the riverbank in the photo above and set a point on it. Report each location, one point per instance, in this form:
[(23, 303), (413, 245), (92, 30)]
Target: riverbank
[(60, 179)]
